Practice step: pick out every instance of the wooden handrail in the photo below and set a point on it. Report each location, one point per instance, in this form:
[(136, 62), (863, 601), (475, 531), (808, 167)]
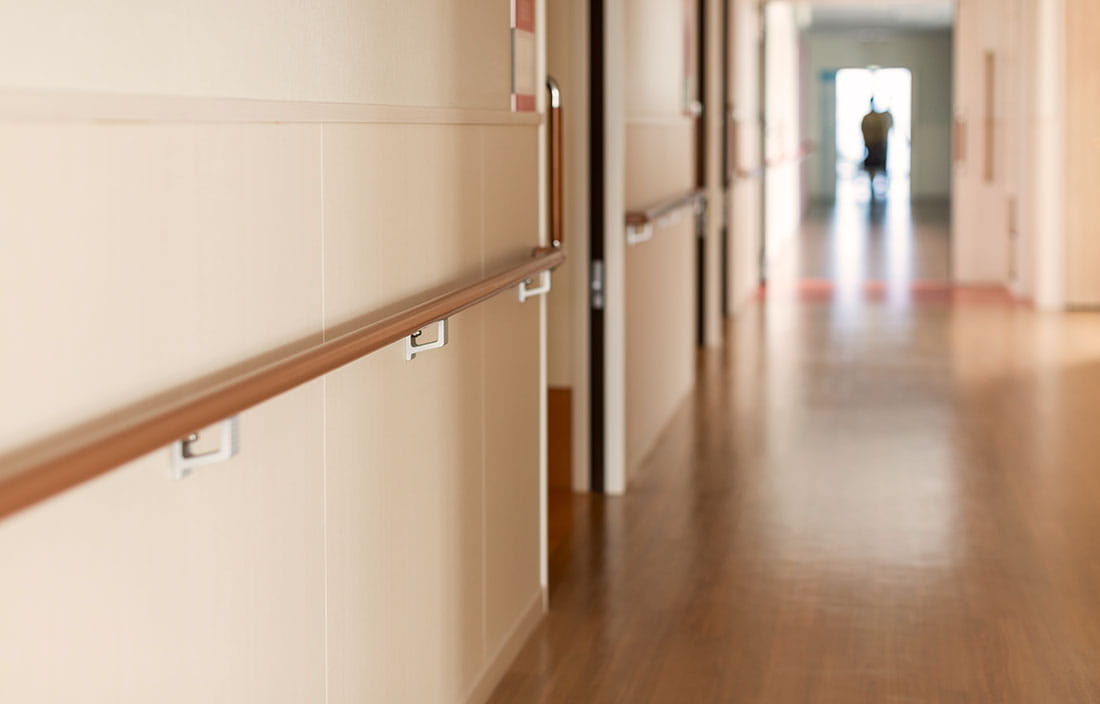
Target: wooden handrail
[(804, 151), (959, 140), (557, 233), (641, 218), (30, 476)]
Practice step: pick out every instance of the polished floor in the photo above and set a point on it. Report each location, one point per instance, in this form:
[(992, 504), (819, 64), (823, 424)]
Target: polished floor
[(882, 491), (886, 239)]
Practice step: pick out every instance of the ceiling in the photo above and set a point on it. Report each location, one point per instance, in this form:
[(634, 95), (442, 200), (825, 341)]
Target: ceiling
[(939, 14)]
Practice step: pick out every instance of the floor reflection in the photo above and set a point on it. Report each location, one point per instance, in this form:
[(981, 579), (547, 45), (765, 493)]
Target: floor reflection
[(888, 243), (883, 489), (858, 464)]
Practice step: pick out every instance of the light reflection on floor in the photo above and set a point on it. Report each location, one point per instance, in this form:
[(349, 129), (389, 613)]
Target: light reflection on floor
[(858, 247), (838, 317), (882, 489)]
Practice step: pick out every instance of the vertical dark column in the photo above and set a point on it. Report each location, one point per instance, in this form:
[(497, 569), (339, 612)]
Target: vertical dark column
[(726, 166), (596, 138), (701, 174)]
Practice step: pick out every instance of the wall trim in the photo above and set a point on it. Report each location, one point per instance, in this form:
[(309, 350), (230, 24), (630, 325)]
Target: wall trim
[(654, 120), (502, 659), (27, 105)]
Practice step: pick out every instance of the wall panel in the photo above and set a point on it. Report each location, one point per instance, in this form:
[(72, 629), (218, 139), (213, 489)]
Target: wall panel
[(659, 164), (433, 464), (131, 260), (378, 538), (660, 285), (404, 461), (1082, 150), (746, 198), (511, 478), (137, 587), (981, 241), (412, 52), (403, 213), (782, 130)]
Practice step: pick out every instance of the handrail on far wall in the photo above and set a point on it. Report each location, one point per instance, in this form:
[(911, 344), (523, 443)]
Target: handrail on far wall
[(640, 223), (803, 152), (32, 475), (664, 207)]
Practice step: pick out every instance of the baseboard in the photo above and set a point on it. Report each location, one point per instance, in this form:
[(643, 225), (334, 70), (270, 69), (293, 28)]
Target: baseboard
[(501, 660), (967, 282)]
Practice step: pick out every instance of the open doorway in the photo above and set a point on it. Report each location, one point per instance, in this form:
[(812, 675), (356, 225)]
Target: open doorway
[(891, 90)]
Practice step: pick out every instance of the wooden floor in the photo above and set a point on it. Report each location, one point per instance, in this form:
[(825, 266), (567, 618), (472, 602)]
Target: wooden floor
[(879, 492)]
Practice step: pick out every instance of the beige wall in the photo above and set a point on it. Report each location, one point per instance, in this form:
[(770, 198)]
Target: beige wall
[(660, 274), (373, 52), (783, 128), (566, 60), (1044, 158), (655, 59), (1082, 150), (660, 287), (982, 249), (378, 536), (1042, 209), (745, 194)]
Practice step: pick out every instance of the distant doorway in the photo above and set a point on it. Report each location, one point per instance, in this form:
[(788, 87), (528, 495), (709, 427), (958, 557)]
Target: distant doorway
[(892, 91)]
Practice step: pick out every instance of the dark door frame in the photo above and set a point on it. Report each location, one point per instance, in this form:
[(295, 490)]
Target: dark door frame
[(596, 259), (726, 165), (701, 174)]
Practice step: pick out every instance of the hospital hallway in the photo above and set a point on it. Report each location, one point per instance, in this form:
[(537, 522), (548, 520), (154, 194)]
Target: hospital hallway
[(881, 490)]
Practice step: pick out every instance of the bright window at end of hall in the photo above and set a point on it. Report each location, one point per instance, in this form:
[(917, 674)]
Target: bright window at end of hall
[(892, 91)]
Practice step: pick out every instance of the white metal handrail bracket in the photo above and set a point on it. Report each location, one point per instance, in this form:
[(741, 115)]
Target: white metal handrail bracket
[(526, 291), (412, 348), (185, 460), (636, 234)]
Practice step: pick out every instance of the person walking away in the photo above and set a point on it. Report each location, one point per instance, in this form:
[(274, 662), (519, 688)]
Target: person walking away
[(876, 128)]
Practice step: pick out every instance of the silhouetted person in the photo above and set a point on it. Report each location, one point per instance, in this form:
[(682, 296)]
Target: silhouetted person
[(876, 128)]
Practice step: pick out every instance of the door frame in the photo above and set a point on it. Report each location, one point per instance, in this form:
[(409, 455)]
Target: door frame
[(596, 265)]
